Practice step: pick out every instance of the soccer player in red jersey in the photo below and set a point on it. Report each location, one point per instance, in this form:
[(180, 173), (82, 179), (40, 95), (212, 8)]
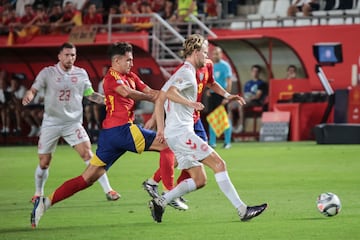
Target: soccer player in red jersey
[(165, 172), (122, 88)]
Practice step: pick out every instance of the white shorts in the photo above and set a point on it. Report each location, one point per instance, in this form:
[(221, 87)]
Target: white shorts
[(73, 134), (189, 149)]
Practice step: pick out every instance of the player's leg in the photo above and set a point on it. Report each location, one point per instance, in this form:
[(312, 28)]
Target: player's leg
[(187, 157), (151, 185), (196, 181), (215, 162), (164, 173), (81, 143), (46, 146), (41, 175), (199, 131), (67, 189)]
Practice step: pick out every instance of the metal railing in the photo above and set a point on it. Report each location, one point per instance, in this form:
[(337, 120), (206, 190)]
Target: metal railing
[(165, 38)]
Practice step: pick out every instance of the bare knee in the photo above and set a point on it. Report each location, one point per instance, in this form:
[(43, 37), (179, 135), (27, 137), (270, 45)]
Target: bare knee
[(44, 160), (84, 150), (93, 173), (86, 155), (200, 181)]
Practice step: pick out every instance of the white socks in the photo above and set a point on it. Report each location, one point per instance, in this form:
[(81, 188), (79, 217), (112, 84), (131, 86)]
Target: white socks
[(152, 181), (41, 175), (103, 180), (224, 182), (186, 186)]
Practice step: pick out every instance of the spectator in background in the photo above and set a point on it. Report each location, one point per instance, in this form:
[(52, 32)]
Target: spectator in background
[(185, 8), (39, 23), (4, 100), (112, 10), (222, 75), (55, 17), (211, 8), (77, 4), (169, 12), (92, 16), (28, 14), (291, 72), (69, 17), (14, 108), (124, 10), (56, 13), (256, 89), (41, 3), (21, 6), (33, 114), (144, 22), (255, 94), (10, 19), (157, 5), (304, 6)]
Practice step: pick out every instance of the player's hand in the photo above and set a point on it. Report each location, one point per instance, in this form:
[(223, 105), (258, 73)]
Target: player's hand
[(29, 95), (151, 123), (198, 106), (237, 98), (224, 101), (160, 136)]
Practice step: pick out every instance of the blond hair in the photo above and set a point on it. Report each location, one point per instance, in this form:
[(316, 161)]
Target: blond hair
[(192, 43)]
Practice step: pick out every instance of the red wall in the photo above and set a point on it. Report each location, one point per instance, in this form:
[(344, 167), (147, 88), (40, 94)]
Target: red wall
[(42, 51)]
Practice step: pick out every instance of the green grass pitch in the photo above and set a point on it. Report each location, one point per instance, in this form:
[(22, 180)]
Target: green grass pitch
[(289, 176)]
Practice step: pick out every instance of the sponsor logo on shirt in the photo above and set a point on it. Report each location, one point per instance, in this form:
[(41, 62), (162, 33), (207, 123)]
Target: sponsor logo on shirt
[(179, 80)]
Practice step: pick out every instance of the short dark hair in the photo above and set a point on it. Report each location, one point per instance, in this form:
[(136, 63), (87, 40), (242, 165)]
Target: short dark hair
[(119, 48), (66, 45), (257, 67), (291, 66)]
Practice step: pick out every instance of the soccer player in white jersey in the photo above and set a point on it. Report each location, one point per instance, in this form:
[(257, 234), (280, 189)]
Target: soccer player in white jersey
[(64, 87), (191, 152)]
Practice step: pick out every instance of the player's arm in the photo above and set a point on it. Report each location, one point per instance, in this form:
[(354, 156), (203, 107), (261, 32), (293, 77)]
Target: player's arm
[(151, 92), (96, 98), (222, 92), (134, 94), (93, 96), (174, 95), (29, 96), (159, 115)]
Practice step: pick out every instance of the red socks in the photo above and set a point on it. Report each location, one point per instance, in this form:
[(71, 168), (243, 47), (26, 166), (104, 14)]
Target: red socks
[(167, 168), (68, 189)]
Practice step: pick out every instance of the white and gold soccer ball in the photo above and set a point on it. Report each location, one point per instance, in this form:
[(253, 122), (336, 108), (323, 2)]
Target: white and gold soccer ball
[(328, 204)]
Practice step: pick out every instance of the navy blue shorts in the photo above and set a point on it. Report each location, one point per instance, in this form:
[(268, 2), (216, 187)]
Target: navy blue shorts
[(200, 130), (116, 141)]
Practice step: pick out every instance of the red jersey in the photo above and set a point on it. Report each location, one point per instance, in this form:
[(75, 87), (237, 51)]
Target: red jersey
[(96, 19), (204, 76), (27, 18), (119, 110)]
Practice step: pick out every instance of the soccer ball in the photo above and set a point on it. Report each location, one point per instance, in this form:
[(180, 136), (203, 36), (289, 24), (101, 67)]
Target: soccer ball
[(328, 204)]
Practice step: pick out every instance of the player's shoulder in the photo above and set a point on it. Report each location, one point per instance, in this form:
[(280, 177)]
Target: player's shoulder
[(49, 68), (133, 75), (80, 70)]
